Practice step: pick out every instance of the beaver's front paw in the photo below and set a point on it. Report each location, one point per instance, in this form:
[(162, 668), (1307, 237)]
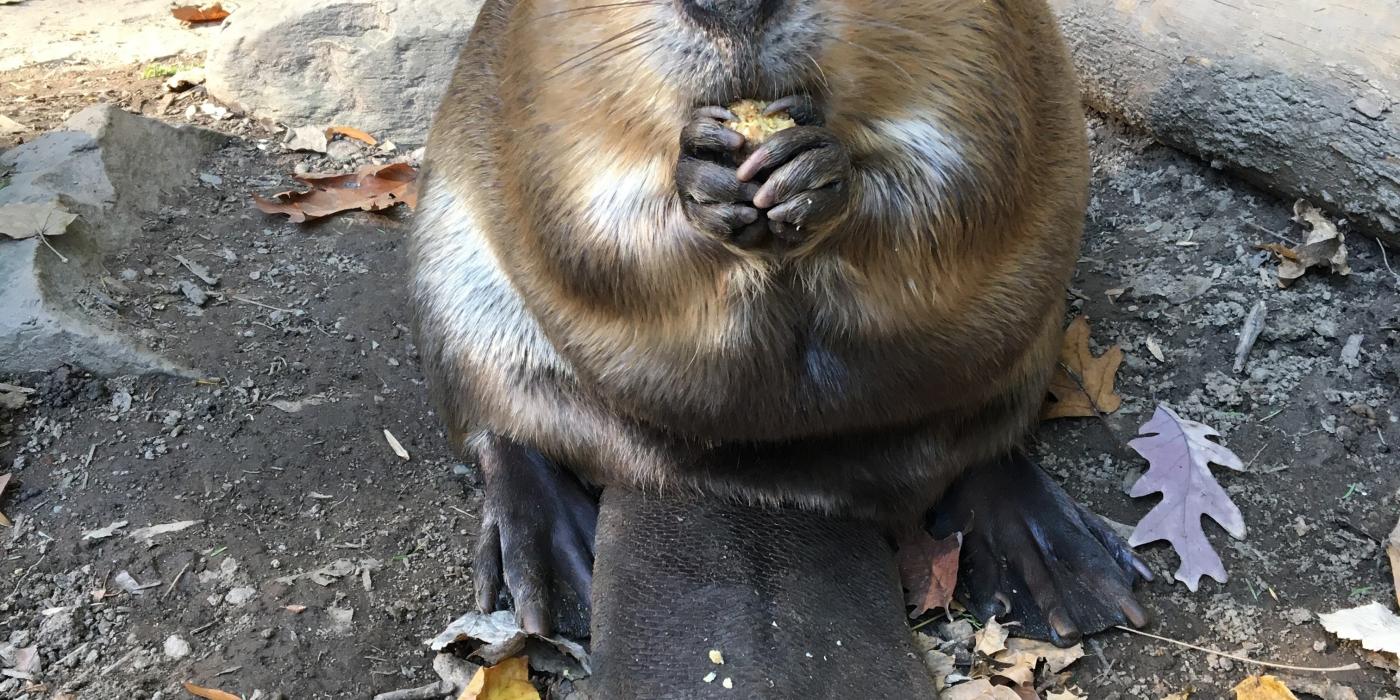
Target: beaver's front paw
[(715, 201), (806, 174)]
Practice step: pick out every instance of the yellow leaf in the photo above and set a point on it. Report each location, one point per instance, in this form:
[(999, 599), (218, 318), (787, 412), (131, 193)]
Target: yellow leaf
[(508, 680), (352, 133), (208, 693), (1263, 688), (1082, 382)]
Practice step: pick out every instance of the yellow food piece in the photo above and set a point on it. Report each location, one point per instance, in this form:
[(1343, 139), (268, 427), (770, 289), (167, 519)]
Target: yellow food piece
[(753, 125)]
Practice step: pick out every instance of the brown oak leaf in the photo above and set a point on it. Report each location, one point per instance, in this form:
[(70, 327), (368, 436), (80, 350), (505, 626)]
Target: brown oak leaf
[(1083, 384), (371, 188), (929, 569), (194, 14)]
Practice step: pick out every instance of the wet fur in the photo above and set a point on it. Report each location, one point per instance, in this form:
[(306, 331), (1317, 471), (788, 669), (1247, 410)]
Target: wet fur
[(565, 302)]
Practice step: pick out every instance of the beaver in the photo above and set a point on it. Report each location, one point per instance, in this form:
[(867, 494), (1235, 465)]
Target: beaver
[(835, 330)]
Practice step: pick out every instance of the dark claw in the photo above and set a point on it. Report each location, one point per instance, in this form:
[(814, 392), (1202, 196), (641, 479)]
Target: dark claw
[(799, 107)]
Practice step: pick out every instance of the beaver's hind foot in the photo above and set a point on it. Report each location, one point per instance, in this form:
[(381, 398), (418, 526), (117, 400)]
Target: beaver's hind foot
[(535, 549), (1032, 555)]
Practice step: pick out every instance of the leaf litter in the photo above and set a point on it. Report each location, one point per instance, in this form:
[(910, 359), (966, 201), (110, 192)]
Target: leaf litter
[(1323, 246), (1373, 625), (1179, 453), (1263, 688), (197, 14), (371, 188), (508, 680), (1082, 385)]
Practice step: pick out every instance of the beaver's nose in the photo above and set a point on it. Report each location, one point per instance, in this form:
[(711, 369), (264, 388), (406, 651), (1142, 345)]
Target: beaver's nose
[(731, 16)]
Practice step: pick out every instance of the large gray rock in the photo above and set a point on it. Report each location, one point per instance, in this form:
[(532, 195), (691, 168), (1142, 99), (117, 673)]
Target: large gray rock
[(377, 65), (109, 168)]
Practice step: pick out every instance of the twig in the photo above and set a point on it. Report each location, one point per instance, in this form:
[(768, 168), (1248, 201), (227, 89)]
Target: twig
[(1242, 659), (1079, 382), (176, 580), (1253, 326), (1275, 234), (427, 692), (1386, 260), (26, 573), (45, 240), (255, 302)]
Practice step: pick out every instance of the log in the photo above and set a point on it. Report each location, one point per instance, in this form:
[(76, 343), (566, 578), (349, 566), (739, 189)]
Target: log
[(1295, 95)]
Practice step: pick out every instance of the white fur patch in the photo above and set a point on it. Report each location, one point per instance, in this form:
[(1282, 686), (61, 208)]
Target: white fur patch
[(462, 290), (625, 200), (931, 150)]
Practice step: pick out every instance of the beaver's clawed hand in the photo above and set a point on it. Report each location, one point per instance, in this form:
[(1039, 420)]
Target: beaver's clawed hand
[(793, 186)]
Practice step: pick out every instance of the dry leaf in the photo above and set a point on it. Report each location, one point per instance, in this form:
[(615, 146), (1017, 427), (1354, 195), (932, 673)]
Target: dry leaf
[(978, 689), (1392, 548), (929, 569), (508, 680), (195, 14), (209, 693), (1056, 659), (1373, 624), (353, 133), (1179, 455), (1155, 349), (294, 609), (1263, 688), (371, 188), (104, 532), (1094, 375), (147, 534), (991, 639), (1323, 246), (395, 446), (4, 481), (1066, 694), (19, 221)]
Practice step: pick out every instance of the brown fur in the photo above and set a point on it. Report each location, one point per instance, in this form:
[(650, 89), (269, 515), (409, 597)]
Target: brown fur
[(860, 371)]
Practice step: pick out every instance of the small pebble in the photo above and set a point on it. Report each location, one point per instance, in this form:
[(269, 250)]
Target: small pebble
[(727, 683), (716, 657)]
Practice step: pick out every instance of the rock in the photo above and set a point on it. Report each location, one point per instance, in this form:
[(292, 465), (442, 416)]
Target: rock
[(184, 80), (110, 168), (377, 65), (176, 647), (239, 596)]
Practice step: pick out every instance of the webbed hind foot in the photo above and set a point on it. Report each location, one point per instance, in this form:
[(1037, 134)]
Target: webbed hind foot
[(1032, 555)]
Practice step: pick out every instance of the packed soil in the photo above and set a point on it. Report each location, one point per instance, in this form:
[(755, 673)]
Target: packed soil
[(304, 360)]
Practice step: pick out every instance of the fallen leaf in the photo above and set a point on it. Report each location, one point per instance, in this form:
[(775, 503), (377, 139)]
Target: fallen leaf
[(1090, 386), (1392, 548), (4, 481), (395, 446), (939, 664), (1056, 659), (1179, 455), (104, 532), (147, 534), (195, 14), (208, 693), (14, 397), (978, 689), (1263, 688), (1066, 694), (508, 680), (20, 221), (991, 639), (929, 569), (371, 188), (492, 638), (1155, 349), (1324, 245), (1373, 624), (294, 609), (353, 133), (27, 661)]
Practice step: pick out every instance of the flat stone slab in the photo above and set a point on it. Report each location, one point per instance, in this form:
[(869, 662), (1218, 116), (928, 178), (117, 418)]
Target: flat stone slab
[(108, 167)]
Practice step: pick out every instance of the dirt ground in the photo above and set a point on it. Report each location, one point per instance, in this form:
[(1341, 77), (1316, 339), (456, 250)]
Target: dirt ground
[(280, 454)]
